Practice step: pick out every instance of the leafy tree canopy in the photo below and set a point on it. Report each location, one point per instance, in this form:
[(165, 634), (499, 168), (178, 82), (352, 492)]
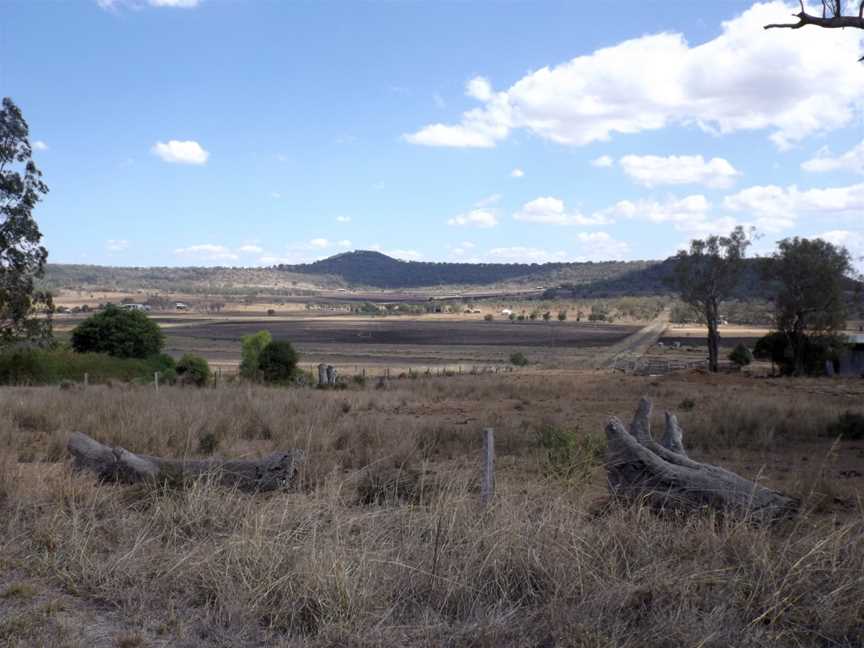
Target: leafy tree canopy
[(118, 332), (24, 312)]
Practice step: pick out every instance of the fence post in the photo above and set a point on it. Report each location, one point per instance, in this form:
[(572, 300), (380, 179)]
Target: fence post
[(86, 379), (156, 380), (487, 487)]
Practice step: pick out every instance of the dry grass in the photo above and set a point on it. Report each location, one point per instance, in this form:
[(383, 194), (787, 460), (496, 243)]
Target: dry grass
[(384, 543)]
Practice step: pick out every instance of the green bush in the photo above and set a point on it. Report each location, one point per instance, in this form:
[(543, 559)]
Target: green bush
[(488, 317), (741, 355), (777, 347), (562, 316), (119, 333), (277, 362), (193, 370), (849, 425), (30, 366), (570, 454), (252, 346), (518, 359)]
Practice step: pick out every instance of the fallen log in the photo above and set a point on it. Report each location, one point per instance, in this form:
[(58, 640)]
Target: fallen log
[(662, 475), (275, 471)]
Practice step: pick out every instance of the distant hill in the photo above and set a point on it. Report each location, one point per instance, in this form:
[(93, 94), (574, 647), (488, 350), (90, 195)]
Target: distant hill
[(374, 269)]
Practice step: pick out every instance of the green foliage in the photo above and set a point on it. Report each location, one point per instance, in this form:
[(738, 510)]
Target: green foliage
[(810, 277), (849, 425), (570, 454), (24, 311), (118, 332), (193, 370), (741, 355), (251, 347), (488, 317), (814, 352), (562, 315), (707, 275), (35, 366), (518, 359), (277, 363)]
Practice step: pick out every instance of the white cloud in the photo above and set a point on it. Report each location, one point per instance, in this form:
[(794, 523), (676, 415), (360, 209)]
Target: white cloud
[(778, 208), (488, 201), (404, 255), (319, 243), (345, 243), (343, 219), (39, 145), (603, 162), (600, 246), (116, 245), (852, 160), (778, 80), (479, 88), (275, 195), (548, 210), (852, 241), (517, 173), (207, 252), (180, 152), (653, 170), (251, 249), (519, 254), (475, 218), (480, 128), (691, 214), (136, 4)]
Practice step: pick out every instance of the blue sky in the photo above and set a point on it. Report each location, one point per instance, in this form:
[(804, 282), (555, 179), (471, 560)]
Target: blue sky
[(250, 132)]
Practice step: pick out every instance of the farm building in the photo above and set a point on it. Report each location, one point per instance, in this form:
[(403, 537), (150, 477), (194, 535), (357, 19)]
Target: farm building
[(852, 362)]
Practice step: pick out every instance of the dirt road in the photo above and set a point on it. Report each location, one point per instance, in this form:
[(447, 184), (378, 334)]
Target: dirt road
[(635, 344)]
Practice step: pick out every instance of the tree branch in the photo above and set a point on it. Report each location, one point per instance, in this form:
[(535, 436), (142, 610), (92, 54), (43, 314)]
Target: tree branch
[(833, 22)]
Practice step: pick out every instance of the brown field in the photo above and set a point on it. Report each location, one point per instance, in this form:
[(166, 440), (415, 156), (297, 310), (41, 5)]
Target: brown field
[(353, 343), (383, 543)]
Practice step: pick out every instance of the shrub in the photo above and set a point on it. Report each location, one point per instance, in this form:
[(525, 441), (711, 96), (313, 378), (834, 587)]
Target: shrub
[(119, 333), (562, 316), (277, 362), (741, 355), (777, 347), (43, 366), (569, 454), (849, 425), (193, 370), (488, 317), (251, 347), (518, 359)]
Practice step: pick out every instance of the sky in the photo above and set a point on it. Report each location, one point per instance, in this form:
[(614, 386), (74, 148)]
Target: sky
[(255, 132)]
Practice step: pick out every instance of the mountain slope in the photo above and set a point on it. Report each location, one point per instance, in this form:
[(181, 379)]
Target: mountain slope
[(368, 268)]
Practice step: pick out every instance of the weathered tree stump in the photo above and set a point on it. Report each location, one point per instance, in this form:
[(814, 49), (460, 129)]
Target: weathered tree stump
[(273, 472), (664, 477)]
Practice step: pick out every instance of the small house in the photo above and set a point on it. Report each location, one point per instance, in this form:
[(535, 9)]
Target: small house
[(851, 363)]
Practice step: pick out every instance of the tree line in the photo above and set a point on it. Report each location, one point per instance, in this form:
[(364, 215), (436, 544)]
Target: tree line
[(809, 281)]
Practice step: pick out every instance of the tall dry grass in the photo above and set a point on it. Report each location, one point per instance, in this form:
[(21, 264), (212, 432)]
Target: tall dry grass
[(322, 566)]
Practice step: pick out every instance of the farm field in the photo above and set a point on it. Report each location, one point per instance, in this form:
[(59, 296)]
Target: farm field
[(383, 541), (399, 343)]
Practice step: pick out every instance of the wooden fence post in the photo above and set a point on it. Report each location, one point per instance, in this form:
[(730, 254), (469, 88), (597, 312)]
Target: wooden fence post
[(86, 379), (156, 380), (487, 487)]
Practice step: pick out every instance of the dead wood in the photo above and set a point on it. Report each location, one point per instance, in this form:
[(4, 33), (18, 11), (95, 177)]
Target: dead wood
[(275, 471), (664, 477)]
